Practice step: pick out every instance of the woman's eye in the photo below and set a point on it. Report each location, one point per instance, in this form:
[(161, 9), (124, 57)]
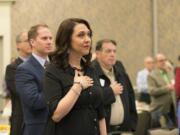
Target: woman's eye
[(89, 34), (80, 34)]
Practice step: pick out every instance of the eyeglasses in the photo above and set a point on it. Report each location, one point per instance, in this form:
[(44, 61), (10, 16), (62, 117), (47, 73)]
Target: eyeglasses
[(161, 60), (24, 41)]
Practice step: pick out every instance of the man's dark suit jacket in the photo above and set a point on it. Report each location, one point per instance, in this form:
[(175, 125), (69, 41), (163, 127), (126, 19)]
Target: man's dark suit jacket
[(29, 85), (127, 97), (16, 119)]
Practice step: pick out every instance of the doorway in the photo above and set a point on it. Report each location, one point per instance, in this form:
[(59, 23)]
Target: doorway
[(1, 72)]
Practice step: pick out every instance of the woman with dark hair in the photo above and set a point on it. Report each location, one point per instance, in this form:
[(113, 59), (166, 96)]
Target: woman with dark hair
[(71, 90)]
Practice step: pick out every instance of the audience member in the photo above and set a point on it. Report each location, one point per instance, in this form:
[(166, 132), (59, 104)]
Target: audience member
[(118, 94), (24, 50), (29, 80), (177, 87), (160, 88), (141, 80), (71, 90)]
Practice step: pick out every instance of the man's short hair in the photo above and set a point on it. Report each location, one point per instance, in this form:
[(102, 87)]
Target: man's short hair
[(32, 33), (19, 37), (100, 43)]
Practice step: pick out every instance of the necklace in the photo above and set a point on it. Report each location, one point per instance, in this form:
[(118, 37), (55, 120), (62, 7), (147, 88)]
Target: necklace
[(78, 69)]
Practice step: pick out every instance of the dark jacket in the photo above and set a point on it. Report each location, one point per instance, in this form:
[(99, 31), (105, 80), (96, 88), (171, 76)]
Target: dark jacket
[(127, 97), (16, 119), (83, 119), (29, 86)]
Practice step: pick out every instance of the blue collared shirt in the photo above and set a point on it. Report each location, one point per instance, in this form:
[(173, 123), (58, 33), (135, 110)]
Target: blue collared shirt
[(23, 59), (141, 81), (39, 59)]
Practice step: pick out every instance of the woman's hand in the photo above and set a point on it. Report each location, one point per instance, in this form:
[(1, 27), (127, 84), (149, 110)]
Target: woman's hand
[(83, 81)]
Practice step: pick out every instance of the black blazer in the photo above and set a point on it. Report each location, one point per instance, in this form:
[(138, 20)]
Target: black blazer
[(127, 97), (88, 109), (16, 119)]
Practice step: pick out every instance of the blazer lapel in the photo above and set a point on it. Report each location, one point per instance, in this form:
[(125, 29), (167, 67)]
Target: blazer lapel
[(19, 61), (37, 66), (160, 78)]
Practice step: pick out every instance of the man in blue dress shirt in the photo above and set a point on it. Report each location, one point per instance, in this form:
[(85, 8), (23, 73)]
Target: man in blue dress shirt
[(142, 75)]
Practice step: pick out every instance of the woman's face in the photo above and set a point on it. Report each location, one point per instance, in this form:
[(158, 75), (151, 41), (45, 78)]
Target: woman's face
[(81, 40)]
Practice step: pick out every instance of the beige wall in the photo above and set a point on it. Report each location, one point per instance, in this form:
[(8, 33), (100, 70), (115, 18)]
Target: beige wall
[(5, 36), (5, 31), (169, 28), (129, 22)]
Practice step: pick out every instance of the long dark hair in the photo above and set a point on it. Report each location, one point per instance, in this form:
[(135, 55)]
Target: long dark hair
[(63, 43)]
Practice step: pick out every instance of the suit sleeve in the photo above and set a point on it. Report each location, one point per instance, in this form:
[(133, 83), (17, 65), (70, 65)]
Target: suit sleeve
[(27, 88), (154, 90), (177, 82), (10, 79)]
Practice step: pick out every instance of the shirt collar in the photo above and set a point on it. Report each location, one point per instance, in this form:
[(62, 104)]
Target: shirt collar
[(108, 72), (39, 59), (162, 71), (22, 58), (146, 70)]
